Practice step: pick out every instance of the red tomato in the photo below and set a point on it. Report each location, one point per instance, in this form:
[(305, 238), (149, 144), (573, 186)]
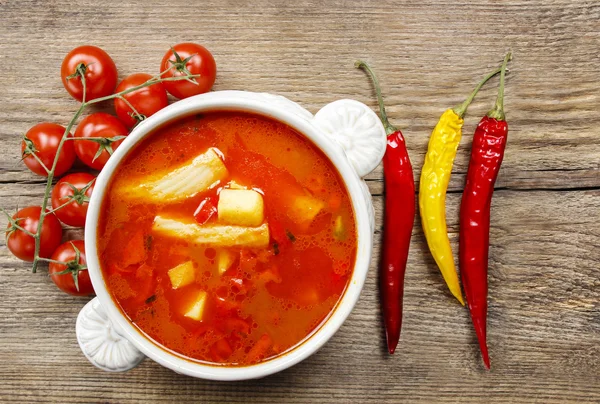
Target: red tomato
[(22, 245), (95, 153), (43, 140), (74, 213), (189, 58), (206, 210), (146, 101), (72, 278), (99, 69), (281, 235)]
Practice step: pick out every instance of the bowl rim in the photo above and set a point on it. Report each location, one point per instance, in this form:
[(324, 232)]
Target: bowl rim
[(253, 103)]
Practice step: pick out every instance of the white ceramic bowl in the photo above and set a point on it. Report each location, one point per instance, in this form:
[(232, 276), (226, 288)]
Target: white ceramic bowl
[(351, 136)]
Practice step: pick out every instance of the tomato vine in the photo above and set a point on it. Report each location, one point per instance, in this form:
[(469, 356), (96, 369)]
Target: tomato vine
[(80, 73)]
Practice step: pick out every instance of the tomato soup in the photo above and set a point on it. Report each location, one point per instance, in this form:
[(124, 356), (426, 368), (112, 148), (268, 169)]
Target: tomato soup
[(227, 237)]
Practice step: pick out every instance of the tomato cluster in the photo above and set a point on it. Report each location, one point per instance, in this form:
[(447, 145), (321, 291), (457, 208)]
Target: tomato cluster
[(88, 73)]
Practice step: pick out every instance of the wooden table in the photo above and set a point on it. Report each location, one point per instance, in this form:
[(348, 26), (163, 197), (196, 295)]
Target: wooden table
[(544, 315)]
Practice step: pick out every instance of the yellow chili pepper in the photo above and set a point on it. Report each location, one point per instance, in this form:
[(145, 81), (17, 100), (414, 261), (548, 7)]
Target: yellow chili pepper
[(435, 176)]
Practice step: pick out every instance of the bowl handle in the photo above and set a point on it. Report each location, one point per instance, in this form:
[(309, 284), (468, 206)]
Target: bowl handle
[(357, 129), (102, 341), (360, 133)]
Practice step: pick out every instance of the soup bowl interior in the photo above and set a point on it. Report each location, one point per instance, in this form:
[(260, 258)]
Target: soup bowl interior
[(302, 122)]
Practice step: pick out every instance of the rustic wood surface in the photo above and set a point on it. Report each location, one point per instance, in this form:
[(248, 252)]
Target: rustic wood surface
[(544, 315)]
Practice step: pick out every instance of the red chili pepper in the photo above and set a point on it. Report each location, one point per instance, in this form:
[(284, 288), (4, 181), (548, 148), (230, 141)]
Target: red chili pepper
[(399, 220), (206, 210), (487, 151)]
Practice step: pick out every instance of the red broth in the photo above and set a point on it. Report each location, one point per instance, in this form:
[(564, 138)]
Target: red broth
[(270, 297)]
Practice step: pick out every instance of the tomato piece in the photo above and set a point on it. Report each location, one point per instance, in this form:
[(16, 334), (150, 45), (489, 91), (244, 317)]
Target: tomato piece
[(117, 269), (72, 278), (144, 275), (279, 234), (22, 245), (270, 275), (259, 351), (225, 307), (264, 256), (99, 69), (95, 153), (248, 261), (206, 210), (201, 331), (316, 184), (335, 202), (135, 250), (146, 101), (43, 140), (188, 58), (237, 325), (75, 191), (238, 286), (221, 350)]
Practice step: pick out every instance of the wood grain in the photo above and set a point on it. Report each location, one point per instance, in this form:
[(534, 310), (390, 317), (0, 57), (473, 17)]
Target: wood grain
[(544, 325)]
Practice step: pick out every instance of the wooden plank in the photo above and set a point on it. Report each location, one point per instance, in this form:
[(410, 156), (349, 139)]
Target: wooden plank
[(544, 326)]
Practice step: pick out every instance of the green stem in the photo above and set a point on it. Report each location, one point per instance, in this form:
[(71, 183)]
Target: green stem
[(98, 138), (43, 213), (461, 109), (52, 261), (40, 162), (51, 177), (70, 201), (153, 80), (389, 128), (139, 117), (14, 223), (16, 226), (498, 111)]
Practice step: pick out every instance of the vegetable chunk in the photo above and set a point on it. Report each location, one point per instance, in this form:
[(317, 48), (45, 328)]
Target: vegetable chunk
[(195, 176), (225, 259), (244, 207), (304, 209), (196, 310), (182, 275), (213, 235)]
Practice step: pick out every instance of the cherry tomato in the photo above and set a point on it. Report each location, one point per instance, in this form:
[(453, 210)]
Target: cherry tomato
[(21, 244), (95, 153), (43, 140), (189, 58), (76, 188), (146, 101), (100, 73), (72, 278)]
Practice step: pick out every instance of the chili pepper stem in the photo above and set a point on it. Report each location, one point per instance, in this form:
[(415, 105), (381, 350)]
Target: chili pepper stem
[(389, 128), (498, 111), (461, 109)]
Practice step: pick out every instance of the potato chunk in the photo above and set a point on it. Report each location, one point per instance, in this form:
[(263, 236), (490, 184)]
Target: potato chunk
[(233, 184), (304, 209), (182, 275), (196, 310), (243, 207), (225, 259), (195, 176), (213, 235), (339, 229)]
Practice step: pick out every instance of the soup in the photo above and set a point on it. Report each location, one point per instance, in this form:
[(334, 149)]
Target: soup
[(227, 237)]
